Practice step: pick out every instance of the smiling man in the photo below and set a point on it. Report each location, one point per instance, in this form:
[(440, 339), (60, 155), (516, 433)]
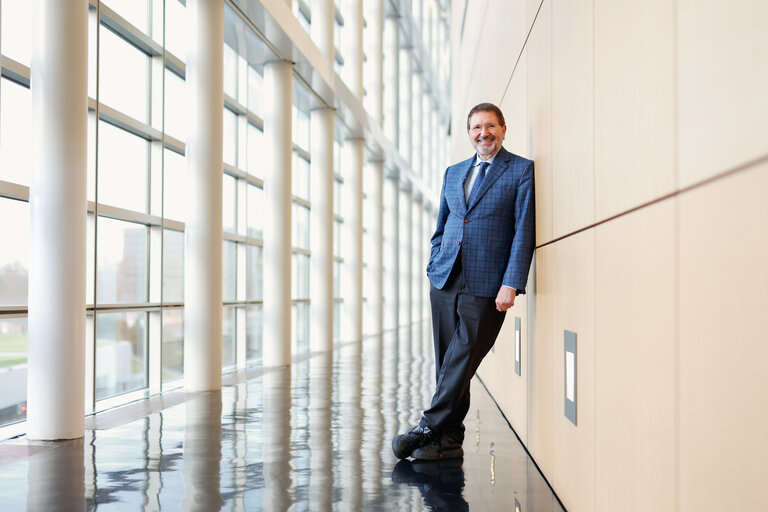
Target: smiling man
[(481, 254)]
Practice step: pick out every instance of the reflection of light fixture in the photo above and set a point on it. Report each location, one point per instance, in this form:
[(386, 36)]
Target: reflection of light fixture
[(493, 468), (569, 374), (518, 348)]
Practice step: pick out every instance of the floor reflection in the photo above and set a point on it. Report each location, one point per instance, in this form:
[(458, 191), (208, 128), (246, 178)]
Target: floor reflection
[(313, 436)]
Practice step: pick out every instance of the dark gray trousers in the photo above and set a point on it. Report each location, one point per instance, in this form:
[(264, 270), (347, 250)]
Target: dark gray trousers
[(465, 328)]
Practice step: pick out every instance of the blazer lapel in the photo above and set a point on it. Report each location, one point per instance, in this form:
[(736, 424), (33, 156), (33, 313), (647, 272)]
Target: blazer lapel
[(500, 164), (459, 187)]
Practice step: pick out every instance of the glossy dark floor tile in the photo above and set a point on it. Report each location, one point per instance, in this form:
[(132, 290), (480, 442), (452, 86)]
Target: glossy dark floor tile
[(314, 436)]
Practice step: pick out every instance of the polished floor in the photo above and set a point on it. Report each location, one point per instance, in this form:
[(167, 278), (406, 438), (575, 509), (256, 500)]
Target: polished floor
[(314, 436)]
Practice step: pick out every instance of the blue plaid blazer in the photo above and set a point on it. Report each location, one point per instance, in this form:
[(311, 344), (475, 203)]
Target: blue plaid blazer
[(496, 233)]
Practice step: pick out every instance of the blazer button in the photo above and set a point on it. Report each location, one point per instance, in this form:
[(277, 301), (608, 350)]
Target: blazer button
[(466, 220), (458, 243)]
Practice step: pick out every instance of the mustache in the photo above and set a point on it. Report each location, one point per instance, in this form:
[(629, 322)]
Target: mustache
[(487, 137)]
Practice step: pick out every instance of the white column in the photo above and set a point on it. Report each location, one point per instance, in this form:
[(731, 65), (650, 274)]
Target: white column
[(323, 19), (57, 200), (352, 239), (392, 80), (321, 229), (278, 87), (203, 273), (419, 266), (375, 233), (375, 20), (353, 49), (406, 254), (392, 190), (406, 104), (419, 124)]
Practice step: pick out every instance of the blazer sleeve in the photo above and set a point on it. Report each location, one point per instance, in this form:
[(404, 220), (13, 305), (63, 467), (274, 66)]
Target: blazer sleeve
[(524, 240), (442, 216)]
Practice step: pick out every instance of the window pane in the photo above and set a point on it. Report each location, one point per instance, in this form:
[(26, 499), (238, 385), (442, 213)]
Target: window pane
[(176, 29), (122, 262), (229, 203), (123, 75), (18, 30), (14, 252), (121, 353), (230, 71), (336, 279), (301, 128), (336, 238), (13, 370), (134, 11), (300, 179), (229, 264), (255, 211), (255, 154), (255, 328), (122, 168), (173, 345), (175, 186), (300, 278), (228, 336), (301, 226), (255, 273), (177, 117), (255, 88), (15, 133), (336, 197), (230, 137), (300, 327), (173, 266)]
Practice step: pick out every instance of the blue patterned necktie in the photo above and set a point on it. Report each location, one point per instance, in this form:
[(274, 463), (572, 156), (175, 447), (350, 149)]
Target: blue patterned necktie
[(478, 181)]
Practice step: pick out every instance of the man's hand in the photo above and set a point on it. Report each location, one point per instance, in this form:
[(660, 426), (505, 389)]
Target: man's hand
[(505, 299)]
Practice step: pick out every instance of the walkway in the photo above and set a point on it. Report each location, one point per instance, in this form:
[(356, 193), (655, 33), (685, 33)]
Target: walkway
[(315, 436)]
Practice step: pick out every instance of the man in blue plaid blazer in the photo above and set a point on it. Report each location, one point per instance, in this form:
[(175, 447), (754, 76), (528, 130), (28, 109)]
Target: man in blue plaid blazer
[(481, 254)]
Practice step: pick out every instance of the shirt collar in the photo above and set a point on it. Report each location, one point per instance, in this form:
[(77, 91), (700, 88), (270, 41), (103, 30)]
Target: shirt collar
[(479, 160)]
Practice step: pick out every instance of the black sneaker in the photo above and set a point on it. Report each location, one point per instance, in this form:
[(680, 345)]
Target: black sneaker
[(444, 446), (404, 444)]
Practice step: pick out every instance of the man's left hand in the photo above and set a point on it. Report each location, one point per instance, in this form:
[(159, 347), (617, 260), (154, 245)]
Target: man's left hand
[(505, 299)]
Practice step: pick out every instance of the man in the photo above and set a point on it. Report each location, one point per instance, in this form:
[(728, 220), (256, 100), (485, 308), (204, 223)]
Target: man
[(481, 253)]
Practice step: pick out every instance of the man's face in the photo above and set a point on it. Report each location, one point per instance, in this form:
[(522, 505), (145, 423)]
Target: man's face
[(485, 134)]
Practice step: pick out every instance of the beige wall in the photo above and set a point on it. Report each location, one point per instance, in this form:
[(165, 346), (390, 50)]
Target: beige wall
[(648, 123)]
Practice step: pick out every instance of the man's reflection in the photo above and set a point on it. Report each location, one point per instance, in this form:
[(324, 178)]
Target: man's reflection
[(440, 482)]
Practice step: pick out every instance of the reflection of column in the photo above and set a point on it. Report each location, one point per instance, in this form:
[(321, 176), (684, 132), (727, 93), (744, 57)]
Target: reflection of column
[(321, 224), (373, 439), (277, 439), (320, 442), (389, 369), (57, 197), (352, 236), (351, 420), (202, 452), (392, 190), (392, 80), (56, 478), (375, 233), (203, 254), (278, 87)]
